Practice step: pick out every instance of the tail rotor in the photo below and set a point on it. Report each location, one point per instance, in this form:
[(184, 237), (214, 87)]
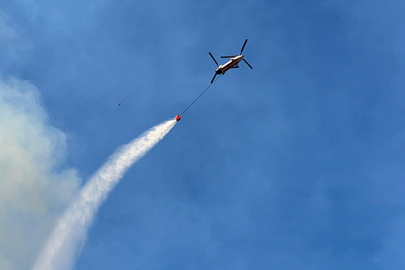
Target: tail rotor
[(247, 63), (243, 47)]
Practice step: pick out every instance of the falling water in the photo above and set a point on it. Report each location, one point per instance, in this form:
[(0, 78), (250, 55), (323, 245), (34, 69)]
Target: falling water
[(65, 242)]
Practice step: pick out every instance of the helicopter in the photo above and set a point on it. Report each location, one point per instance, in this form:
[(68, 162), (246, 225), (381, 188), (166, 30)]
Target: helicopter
[(232, 63)]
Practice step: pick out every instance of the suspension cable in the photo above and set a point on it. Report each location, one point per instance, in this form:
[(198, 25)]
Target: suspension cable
[(201, 94)]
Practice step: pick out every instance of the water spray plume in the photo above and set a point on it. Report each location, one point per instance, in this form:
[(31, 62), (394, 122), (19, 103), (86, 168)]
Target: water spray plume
[(68, 236)]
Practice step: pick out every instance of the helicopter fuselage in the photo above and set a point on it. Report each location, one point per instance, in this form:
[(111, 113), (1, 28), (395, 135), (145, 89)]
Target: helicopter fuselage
[(233, 63)]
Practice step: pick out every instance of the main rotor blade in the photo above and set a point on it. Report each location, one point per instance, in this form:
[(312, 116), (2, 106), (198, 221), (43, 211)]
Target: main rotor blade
[(243, 46), (228, 56), (247, 63), (213, 78), (213, 59)]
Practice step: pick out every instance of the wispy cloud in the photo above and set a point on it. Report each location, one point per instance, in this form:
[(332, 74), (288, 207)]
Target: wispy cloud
[(33, 191), (7, 33)]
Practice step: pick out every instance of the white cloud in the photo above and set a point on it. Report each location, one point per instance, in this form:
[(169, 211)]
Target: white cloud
[(33, 192)]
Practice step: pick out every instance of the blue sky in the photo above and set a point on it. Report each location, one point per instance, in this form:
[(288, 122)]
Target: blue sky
[(296, 164)]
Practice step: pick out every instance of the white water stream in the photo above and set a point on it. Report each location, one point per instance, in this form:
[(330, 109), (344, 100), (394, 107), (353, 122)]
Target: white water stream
[(66, 240)]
